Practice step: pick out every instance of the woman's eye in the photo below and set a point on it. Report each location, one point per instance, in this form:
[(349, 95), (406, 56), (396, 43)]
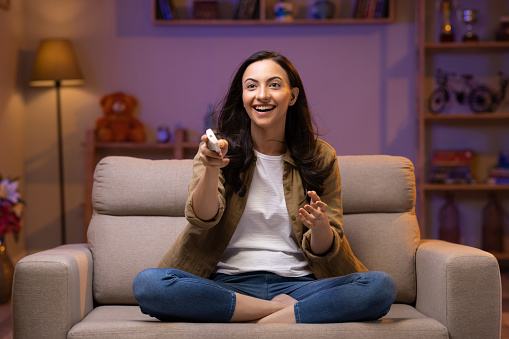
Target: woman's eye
[(250, 86), (275, 84)]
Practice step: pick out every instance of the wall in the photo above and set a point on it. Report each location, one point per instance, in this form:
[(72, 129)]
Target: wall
[(359, 80), (11, 105)]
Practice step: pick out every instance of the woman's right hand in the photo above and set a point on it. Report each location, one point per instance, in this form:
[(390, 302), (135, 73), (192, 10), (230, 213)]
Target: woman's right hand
[(205, 201), (211, 159)]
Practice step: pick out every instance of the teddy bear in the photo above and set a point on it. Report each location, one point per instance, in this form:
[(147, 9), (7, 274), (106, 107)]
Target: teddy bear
[(118, 123)]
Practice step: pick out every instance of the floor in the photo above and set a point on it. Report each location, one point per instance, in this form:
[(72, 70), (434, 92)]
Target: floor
[(6, 318)]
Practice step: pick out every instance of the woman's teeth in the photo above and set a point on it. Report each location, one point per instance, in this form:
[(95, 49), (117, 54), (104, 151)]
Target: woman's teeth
[(263, 108)]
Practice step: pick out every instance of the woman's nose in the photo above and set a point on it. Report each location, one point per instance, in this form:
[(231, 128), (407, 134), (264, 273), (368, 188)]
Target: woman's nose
[(263, 94)]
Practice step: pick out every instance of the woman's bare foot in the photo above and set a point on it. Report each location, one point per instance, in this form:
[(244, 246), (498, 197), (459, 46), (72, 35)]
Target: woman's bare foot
[(284, 299), (249, 309), (285, 315)]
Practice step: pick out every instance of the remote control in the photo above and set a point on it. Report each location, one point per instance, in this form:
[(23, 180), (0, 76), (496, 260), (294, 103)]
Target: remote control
[(213, 144)]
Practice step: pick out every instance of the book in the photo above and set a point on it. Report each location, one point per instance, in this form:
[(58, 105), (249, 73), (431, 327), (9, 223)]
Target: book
[(370, 9), (206, 10), (451, 167), (380, 9), (249, 11), (360, 9), (165, 9), (239, 9), (452, 158)]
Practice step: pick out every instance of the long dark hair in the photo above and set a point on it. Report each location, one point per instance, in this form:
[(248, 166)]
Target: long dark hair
[(234, 125)]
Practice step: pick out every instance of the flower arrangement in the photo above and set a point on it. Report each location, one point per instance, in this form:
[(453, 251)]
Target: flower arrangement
[(11, 207)]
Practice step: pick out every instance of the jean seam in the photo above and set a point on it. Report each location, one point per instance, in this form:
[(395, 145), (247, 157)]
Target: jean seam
[(232, 307), (297, 312)]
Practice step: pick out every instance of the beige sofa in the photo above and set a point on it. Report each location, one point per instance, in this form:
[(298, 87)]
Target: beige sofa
[(85, 290)]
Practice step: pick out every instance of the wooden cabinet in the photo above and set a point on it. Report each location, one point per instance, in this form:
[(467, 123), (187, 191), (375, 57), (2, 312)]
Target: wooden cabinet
[(459, 128), (95, 151), (265, 14)]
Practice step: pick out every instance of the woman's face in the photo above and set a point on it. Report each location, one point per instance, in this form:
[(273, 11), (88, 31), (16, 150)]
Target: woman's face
[(266, 94)]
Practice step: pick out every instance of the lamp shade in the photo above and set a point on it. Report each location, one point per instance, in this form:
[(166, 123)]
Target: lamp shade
[(56, 61)]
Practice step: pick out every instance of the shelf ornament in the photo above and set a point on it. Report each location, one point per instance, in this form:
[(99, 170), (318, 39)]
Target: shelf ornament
[(469, 17), (478, 97), (283, 10), (446, 32)]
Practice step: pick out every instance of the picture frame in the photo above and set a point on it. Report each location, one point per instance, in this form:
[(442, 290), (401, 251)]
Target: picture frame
[(5, 4)]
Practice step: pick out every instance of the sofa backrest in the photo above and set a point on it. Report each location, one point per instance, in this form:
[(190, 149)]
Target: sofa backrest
[(139, 211)]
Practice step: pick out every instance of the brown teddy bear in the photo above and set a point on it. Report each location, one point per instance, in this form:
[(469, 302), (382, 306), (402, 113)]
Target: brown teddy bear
[(118, 123)]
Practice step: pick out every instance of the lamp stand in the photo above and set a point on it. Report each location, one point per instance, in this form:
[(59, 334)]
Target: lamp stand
[(61, 165)]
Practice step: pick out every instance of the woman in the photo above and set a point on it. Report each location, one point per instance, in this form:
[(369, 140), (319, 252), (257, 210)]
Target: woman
[(265, 238)]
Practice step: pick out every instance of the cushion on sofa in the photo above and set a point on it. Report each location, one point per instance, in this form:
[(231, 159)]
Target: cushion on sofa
[(124, 185), (126, 322), (379, 199)]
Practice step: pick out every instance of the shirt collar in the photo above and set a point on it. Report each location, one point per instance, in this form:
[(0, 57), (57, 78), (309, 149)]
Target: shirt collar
[(288, 157)]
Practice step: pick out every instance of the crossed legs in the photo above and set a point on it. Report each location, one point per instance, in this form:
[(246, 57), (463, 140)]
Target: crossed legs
[(173, 295)]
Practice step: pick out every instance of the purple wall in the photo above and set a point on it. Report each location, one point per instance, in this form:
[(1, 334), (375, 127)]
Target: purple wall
[(359, 80)]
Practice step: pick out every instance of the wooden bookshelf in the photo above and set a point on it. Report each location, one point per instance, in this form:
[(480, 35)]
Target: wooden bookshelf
[(466, 118), (265, 18), (431, 55)]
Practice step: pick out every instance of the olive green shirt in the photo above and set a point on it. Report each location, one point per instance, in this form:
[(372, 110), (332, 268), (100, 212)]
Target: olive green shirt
[(200, 246)]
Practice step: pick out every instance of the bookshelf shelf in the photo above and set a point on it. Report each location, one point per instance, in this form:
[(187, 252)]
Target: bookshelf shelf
[(467, 118), (267, 22), (474, 47), (264, 17), (462, 188)]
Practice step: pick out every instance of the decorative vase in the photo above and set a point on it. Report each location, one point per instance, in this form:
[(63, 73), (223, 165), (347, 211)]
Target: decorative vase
[(449, 221), (493, 226), (6, 274)]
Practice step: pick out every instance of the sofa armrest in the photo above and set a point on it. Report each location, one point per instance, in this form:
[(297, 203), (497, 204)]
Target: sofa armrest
[(460, 287), (52, 291)]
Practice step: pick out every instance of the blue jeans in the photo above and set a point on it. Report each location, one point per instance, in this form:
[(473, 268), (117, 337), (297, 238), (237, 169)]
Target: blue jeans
[(174, 295)]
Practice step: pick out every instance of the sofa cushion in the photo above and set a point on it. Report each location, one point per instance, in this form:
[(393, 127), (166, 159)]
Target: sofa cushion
[(124, 185), (124, 322), (387, 242), (377, 183), (123, 246)]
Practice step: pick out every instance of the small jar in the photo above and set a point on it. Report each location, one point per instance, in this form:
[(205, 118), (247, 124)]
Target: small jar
[(283, 10), (322, 9), (502, 34)]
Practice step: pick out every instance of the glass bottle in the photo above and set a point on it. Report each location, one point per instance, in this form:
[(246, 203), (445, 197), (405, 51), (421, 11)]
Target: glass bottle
[(449, 221), (492, 227)]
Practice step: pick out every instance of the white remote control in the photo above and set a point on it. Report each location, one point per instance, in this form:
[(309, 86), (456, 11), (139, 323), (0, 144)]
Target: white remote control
[(213, 144)]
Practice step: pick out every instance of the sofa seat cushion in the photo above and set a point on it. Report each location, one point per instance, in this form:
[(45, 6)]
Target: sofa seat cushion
[(403, 321)]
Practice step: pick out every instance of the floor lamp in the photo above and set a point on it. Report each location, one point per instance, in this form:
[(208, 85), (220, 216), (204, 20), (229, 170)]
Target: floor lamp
[(56, 65)]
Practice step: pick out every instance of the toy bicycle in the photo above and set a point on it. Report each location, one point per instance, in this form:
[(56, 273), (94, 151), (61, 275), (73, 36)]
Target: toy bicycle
[(480, 98)]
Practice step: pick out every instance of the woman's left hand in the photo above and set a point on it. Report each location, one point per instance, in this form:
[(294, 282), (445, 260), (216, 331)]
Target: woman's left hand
[(314, 215)]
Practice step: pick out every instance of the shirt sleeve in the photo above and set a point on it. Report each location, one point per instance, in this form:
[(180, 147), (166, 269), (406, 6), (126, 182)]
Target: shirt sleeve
[(198, 169), (332, 197)]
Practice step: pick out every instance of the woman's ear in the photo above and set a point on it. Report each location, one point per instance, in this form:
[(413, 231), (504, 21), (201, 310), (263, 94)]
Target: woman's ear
[(294, 96)]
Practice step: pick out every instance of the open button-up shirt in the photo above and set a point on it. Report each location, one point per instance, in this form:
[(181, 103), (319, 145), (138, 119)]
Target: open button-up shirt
[(200, 246)]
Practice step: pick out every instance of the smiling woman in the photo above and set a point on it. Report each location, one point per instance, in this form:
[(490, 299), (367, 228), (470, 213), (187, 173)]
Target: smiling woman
[(265, 219)]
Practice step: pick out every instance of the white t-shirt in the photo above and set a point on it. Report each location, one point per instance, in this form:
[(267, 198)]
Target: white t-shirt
[(264, 239)]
